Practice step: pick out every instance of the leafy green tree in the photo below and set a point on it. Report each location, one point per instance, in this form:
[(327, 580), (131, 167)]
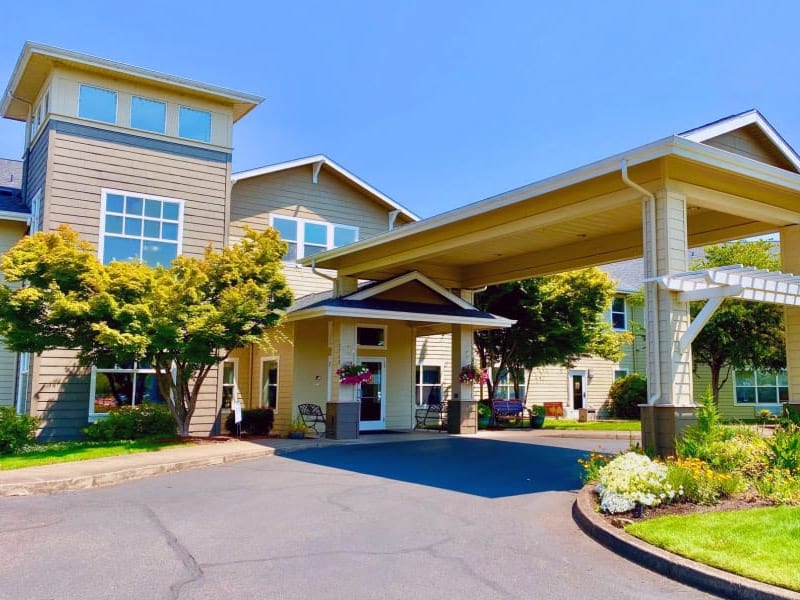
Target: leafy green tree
[(183, 320), (740, 335), (559, 319)]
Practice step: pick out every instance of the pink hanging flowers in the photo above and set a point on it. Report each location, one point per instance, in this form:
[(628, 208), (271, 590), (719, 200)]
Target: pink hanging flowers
[(471, 374), (352, 374)]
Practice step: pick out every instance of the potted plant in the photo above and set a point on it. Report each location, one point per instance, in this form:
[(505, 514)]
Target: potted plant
[(472, 374), (537, 416), (297, 428), (484, 415), (353, 374)]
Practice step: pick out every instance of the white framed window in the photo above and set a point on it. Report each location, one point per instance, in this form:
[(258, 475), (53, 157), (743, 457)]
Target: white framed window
[(619, 313), (39, 114), (269, 383), (140, 227), (194, 124), (148, 115), (371, 336), (761, 387), (620, 373), (428, 388), (23, 382), (230, 374), (306, 237), (127, 385), (36, 212), (505, 385), (97, 104)]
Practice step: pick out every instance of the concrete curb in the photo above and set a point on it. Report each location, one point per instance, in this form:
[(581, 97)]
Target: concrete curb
[(635, 436), (700, 576), (102, 479)]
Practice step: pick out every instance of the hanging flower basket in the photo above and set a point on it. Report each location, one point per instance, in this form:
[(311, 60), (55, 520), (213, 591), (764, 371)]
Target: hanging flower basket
[(471, 374), (350, 374)]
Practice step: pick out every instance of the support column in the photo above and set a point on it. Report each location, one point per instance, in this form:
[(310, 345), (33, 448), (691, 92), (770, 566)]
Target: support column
[(670, 406), (462, 410), (343, 411), (790, 263)]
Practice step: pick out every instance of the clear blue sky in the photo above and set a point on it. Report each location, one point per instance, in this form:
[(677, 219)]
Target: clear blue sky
[(443, 103)]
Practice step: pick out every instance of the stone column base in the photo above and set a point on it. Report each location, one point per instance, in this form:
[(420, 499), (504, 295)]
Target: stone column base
[(662, 424), (342, 420), (462, 416)]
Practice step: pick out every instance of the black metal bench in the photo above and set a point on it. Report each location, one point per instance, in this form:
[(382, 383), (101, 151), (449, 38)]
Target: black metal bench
[(312, 416), (508, 410), (434, 413)]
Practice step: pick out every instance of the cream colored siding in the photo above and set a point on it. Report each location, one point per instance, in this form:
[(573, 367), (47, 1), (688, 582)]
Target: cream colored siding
[(283, 351), (399, 375), (436, 350), (551, 383), (751, 143), (10, 233)]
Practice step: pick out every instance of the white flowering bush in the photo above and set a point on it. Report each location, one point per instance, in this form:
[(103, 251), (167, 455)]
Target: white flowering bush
[(632, 479)]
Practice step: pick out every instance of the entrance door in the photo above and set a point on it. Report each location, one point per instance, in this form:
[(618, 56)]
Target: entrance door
[(373, 407), (577, 389)]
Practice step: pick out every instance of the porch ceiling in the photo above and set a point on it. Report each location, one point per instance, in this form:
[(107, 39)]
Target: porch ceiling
[(581, 218)]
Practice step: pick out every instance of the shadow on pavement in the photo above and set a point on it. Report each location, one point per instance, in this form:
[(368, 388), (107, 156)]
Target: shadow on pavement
[(486, 468)]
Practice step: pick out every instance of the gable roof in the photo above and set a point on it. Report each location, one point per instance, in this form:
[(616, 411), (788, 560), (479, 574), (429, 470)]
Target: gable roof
[(750, 118), (36, 61), (11, 205), (317, 162)]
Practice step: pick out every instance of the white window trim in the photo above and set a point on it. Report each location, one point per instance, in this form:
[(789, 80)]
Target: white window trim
[(93, 416), (234, 360), (330, 228), (419, 386), (104, 192), (523, 386), (166, 110), (624, 313), (36, 212), (369, 326), (210, 125), (756, 403), (116, 104), (23, 368), (277, 361)]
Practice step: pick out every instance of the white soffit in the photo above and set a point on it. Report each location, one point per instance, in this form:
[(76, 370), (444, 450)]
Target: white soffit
[(735, 281)]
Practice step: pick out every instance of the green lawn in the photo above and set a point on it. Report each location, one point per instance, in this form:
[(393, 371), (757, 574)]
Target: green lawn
[(59, 452), (550, 423), (758, 543)]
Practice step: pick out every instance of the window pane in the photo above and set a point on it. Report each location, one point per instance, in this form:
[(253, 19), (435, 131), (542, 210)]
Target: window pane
[(169, 231), (113, 224), (783, 378), (315, 233), (149, 115), (147, 389), (291, 252), (133, 205), (783, 394), (171, 211), (152, 208), (115, 203), (269, 383), (117, 389), (286, 228), (343, 236), (431, 394), (153, 228), (431, 375), (767, 395), (618, 320), (745, 378), (311, 250), (194, 124), (117, 248), (618, 304), (159, 253), (133, 226), (370, 336), (97, 104), (746, 395), (228, 372)]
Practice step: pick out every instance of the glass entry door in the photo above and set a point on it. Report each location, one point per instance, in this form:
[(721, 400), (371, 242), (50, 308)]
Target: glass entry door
[(373, 407), (577, 389)]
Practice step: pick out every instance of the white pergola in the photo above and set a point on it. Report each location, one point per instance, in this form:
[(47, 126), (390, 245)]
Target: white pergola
[(733, 281)]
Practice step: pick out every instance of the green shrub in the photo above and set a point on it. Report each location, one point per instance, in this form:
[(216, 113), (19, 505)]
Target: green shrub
[(133, 422), (696, 481), (784, 448), (739, 450), (696, 441), (255, 421), (16, 430), (626, 394)]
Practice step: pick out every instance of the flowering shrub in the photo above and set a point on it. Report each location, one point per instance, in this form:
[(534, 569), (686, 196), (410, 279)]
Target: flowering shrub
[(632, 479), (352, 374), (471, 374), (592, 465), (779, 486), (698, 482)]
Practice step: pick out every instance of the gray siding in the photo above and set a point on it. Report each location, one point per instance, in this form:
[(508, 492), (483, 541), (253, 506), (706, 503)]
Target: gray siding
[(35, 176)]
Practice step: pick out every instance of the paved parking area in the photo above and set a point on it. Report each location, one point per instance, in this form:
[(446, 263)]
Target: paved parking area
[(434, 517)]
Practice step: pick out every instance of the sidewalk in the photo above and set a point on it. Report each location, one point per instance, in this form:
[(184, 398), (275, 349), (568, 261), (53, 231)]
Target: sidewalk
[(100, 472)]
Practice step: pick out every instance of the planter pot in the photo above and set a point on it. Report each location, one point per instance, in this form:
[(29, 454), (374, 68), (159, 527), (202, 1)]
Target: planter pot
[(483, 422), (296, 435), (537, 421)]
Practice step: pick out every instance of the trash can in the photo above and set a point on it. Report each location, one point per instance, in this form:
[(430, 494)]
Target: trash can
[(583, 415)]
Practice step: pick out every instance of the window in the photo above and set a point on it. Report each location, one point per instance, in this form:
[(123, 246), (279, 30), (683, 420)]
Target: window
[(618, 313), (429, 385), (620, 373), (371, 337), (97, 104), (128, 385), (306, 238), (138, 227), (505, 385), (39, 114), (269, 383), (194, 124), (230, 371), (148, 115), (756, 387), (23, 382), (36, 212)]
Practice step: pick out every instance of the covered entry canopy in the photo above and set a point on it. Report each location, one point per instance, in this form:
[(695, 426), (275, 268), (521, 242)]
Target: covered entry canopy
[(738, 176)]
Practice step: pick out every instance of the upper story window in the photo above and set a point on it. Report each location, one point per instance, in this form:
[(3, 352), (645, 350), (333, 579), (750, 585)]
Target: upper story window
[(140, 227), (39, 114), (761, 387), (97, 104), (194, 124), (619, 315), (148, 115), (371, 337), (306, 238)]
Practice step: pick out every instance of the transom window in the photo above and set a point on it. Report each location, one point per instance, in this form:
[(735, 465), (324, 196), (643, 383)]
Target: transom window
[(148, 115), (128, 385), (194, 124), (429, 385), (618, 313), (757, 387), (269, 383), (97, 104), (140, 227), (306, 238), (371, 337)]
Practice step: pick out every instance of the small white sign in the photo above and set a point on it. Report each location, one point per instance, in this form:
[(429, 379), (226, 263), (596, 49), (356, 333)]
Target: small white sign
[(237, 411)]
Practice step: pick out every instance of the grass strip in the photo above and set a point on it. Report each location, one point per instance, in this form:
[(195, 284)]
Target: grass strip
[(567, 424), (760, 543)]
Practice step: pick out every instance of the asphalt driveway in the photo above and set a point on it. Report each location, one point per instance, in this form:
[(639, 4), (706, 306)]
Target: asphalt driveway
[(444, 517)]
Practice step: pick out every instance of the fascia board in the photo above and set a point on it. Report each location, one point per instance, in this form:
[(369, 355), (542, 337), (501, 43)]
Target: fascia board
[(388, 315)]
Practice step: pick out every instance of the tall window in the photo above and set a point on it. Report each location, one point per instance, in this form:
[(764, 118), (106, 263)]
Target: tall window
[(97, 104), (229, 373), (306, 238), (194, 124), (23, 382), (619, 319), (128, 385), (36, 212), (757, 387), (429, 385), (139, 227), (269, 383), (148, 115), (505, 385)]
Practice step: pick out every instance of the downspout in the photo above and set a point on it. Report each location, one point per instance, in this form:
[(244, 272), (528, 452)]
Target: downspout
[(320, 273), (651, 208)]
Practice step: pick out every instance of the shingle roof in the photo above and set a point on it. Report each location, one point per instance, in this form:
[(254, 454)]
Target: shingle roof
[(11, 186)]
